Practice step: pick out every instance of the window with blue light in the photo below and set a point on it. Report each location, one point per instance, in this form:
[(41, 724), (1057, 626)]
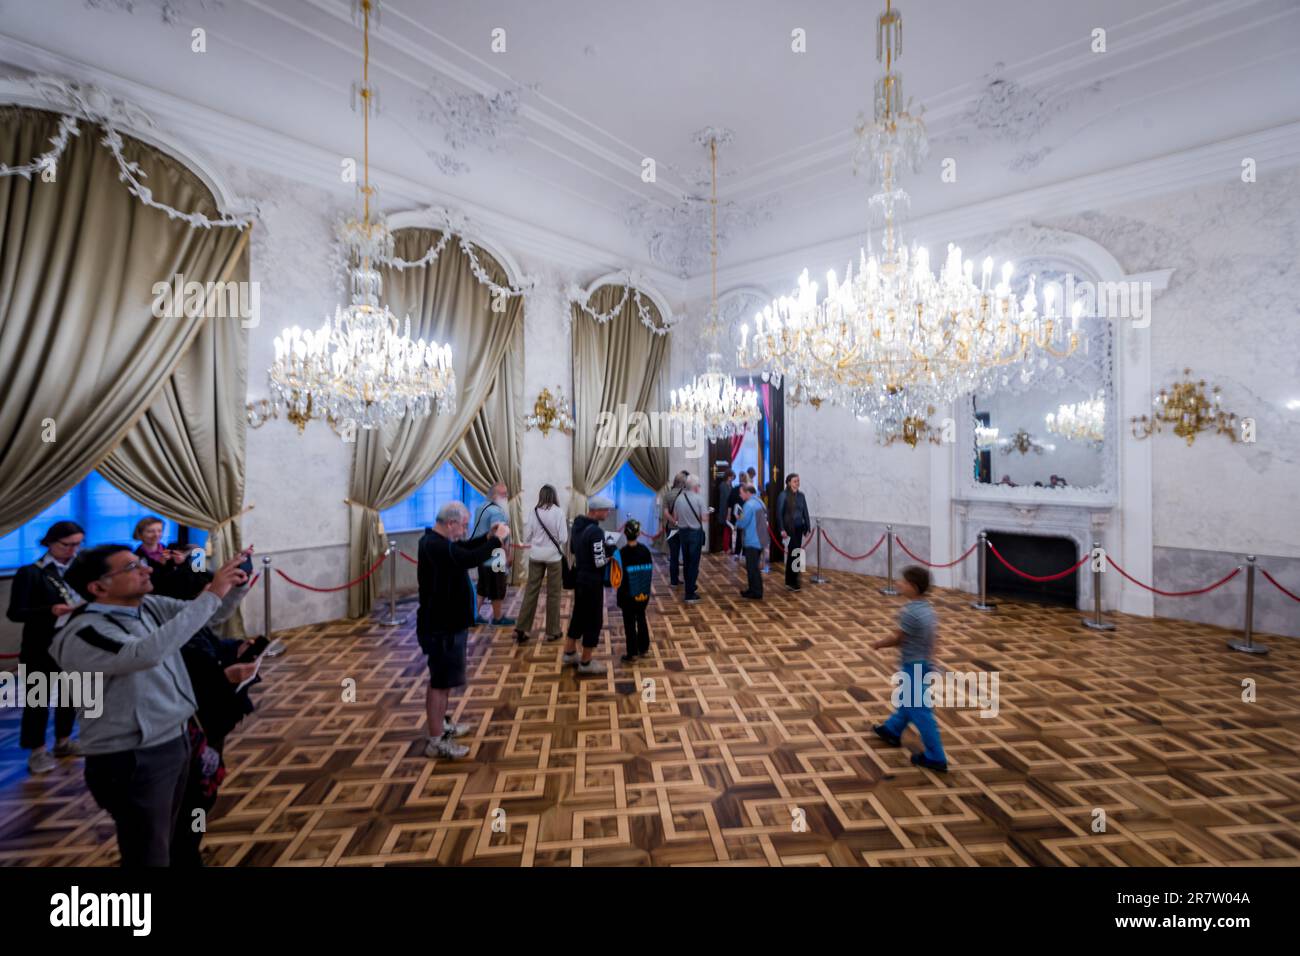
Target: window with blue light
[(107, 514), (420, 509), (632, 499)]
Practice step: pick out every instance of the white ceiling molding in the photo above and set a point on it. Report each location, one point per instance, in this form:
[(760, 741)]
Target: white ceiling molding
[(57, 94), (1217, 162), (293, 159)]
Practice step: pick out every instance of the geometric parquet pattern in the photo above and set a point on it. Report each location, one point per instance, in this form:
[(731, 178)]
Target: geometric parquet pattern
[(760, 709)]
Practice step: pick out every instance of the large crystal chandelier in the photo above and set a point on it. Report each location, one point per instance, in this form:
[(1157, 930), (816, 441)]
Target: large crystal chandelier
[(362, 366), (1080, 421), (895, 325), (713, 403)]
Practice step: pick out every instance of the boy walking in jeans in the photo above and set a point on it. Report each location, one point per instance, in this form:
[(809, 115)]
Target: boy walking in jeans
[(916, 643), (634, 591)]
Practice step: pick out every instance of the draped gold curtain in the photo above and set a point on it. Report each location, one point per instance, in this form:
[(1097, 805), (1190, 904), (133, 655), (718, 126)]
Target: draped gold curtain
[(446, 303), (185, 457), (84, 362), (492, 448), (615, 363)]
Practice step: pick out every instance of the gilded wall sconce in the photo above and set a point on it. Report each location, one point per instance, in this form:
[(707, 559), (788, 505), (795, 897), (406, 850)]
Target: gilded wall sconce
[(1187, 410), (550, 411)]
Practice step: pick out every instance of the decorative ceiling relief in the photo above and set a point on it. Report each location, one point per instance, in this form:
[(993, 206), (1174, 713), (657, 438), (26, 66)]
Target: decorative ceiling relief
[(678, 237), (1012, 112), (471, 121), (171, 11)]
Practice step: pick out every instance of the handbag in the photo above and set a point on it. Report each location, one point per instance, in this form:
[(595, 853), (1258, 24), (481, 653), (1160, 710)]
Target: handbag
[(568, 575)]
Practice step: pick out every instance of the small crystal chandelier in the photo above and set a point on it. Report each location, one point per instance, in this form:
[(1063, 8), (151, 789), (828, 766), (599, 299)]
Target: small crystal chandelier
[(1080, 421), (895, 324), (362, 366), (713, 403)]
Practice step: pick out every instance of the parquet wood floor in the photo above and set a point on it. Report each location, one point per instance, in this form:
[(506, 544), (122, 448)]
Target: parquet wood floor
[(760, 709)]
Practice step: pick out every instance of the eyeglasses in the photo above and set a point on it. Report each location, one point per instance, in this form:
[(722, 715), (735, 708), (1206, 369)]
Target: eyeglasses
[(133, 566)]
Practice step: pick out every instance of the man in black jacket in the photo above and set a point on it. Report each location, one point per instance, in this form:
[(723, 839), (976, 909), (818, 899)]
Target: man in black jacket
[(447, 610), (591, 555)]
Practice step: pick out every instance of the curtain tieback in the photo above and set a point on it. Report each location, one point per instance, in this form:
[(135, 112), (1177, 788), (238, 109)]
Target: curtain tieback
[(358, 504), (235, 517)]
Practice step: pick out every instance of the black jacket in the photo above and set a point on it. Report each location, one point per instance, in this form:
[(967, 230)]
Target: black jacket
[(447, 604), (802, 522), (33, 592), (587, 544), (220, 706)]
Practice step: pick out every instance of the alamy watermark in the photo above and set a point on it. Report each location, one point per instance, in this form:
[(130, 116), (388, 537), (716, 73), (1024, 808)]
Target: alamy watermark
[(83, 690), (946, 689), (220, 300), (636, 429)]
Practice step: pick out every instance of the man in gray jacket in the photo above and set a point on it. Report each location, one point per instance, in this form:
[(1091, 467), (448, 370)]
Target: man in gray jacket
[(138, 749)]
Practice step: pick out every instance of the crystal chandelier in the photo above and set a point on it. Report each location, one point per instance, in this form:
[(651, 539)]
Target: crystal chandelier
[(713, 403), (1080, 421), (362, 366), (895, 325)]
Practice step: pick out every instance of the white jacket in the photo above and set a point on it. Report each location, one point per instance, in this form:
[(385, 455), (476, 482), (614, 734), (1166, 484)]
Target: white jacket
[(540, 546)]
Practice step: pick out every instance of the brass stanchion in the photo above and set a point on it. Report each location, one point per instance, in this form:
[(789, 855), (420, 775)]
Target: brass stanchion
[(392, 586), (889, 562), (983, 603), (1096, 623), (817, 533), (1248, 646), (266, 596)]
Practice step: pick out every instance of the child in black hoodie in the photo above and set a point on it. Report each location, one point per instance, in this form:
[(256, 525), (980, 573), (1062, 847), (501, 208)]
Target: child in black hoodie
[(637, 568)]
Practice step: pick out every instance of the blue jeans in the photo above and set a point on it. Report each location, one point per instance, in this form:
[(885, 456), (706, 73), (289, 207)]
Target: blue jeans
[(692, 545), (914, 710)]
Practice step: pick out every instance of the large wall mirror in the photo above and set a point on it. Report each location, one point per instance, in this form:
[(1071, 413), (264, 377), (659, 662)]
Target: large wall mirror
[(1047, 430)]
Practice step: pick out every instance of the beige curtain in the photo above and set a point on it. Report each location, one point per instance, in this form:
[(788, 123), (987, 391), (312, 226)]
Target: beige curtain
[(614, 363), (650, 462), (185, 456), (446, 303), (492, 449), (82, 357)]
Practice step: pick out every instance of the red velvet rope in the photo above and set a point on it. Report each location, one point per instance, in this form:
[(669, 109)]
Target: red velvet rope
[(852, 557), (1219, 583), (1273, 581), (908, 552), (1036, 577), (408, 557), (341, 587)]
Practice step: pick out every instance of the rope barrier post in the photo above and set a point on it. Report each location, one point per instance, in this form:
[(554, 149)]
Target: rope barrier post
[(266, 596), (1096, 623), (1248, 646), (983, 603), (889, 562), (391, 620), (817, 533)]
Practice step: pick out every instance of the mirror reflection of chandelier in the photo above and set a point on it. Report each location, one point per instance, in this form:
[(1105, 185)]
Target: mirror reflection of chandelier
[(713, 403), (1080, 421), (362, 366), (895, 324)]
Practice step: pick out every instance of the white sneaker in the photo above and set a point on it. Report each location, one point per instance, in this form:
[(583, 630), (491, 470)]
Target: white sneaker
[(452, 729), (592, 666), (41, 761), (445, 747), (570, 658)]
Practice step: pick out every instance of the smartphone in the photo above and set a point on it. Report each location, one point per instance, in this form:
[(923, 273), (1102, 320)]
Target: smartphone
[(254, 651), (247, 565)]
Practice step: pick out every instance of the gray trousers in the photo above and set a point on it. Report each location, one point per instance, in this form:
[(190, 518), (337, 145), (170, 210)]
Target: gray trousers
[(550, 571), (142, 791)]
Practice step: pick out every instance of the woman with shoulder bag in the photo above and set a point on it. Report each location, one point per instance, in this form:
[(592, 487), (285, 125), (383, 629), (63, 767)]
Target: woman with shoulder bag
[(545, 534)]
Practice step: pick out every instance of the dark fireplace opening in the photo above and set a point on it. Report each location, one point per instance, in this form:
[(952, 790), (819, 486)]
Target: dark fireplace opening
[(1033, 554)]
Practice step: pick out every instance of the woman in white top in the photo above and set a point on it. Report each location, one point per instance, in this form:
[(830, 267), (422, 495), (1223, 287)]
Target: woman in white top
[(545, 534)]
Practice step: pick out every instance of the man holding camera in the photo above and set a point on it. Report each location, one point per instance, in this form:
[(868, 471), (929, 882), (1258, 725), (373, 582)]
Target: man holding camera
[(138, 748)]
